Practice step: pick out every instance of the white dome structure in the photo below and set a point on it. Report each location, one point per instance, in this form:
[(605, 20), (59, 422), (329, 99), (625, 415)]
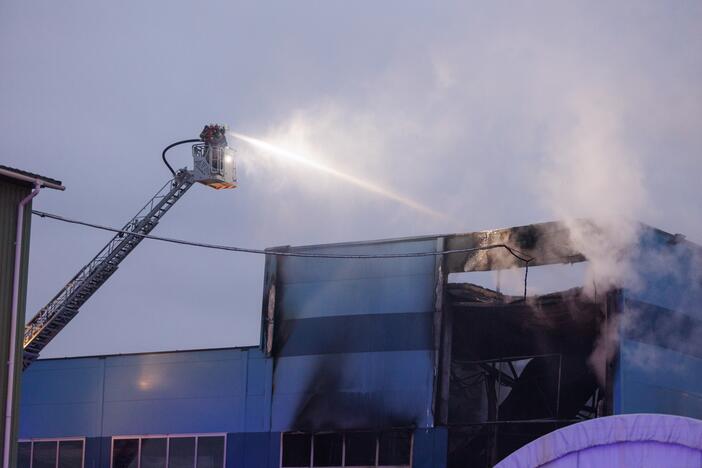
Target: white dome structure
[(632, 440)]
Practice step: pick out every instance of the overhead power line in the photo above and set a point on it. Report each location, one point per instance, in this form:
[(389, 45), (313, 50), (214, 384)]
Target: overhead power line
[(514, 252)]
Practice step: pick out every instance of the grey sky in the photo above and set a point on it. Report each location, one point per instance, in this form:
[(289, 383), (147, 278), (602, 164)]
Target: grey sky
[(497, 113)]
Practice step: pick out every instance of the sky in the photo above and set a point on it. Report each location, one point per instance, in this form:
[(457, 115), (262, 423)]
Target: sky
[(493, 113)]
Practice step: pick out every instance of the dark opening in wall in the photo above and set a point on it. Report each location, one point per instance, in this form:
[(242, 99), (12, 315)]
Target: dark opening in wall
[(352, 449), (360, 448), (176, 451), (519, 368), (181, 452), (153, 452), (24, 455), (43, 453), (210, 452), (296, 450), (125, 453), (328, 449), (543, 279), (394, 448)]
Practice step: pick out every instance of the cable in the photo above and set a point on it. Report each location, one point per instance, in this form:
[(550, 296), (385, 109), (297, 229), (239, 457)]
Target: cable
[(526, 275), (514, 252), (181, 142)]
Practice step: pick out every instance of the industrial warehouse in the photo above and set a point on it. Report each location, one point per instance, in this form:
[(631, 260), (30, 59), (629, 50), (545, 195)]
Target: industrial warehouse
[(388, 353), (381, 354), (301, 234)]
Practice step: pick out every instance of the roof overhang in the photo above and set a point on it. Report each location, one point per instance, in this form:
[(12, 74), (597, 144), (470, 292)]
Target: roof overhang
[(30, 178)]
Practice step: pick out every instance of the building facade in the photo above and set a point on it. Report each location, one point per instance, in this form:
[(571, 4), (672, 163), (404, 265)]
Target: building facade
[(17, 189), (390, 361)]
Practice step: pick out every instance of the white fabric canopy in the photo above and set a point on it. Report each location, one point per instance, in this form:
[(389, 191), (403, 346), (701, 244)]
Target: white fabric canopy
[(630, 440)]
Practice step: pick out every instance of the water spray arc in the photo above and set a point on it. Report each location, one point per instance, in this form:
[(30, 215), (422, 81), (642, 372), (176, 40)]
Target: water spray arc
[(318, 166), (213, 166)]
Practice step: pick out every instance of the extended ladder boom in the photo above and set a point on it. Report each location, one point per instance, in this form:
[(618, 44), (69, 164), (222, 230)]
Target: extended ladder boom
[(51, 319)]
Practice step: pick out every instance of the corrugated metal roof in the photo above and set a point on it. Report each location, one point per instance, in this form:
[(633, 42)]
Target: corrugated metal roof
[(30, 174)]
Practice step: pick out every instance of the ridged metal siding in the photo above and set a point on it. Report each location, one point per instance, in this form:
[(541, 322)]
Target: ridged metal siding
[(211, 391), (189, 392), (353, 341), (11, 194), (160, 393), (660, 351)]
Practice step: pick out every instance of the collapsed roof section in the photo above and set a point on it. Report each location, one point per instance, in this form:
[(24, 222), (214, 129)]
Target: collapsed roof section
[(543, 243)]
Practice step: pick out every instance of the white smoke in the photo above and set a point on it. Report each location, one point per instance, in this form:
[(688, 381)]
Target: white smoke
[(546, 120), (590, 172)]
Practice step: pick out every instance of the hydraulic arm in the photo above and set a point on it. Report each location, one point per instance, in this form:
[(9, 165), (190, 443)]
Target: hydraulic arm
[(213, 167), (51, 319)]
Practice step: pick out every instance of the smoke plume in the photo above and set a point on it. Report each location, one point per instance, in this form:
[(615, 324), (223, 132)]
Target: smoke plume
[(590, 172)]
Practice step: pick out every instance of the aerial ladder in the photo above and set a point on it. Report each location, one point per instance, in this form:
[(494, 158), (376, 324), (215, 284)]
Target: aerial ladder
[(213, 165)]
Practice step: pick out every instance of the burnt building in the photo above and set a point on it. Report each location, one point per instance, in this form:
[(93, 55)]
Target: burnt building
[(398, 355)]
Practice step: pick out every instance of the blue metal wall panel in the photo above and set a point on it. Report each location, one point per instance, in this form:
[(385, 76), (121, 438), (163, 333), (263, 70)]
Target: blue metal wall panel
[(256, 414), (668, 275), (105, 452), (354, 338), (62, 398), (658, 380), (293, 270), (398, 294), (358, 390), (429, 448), (163, 393), (172, 416), (253, 450), (236, 447), (256, 381), (274, 443), (81, 381), (660, 350), (394, 371), (93, 448), (174, 393), (354, 334), (258, 393)]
